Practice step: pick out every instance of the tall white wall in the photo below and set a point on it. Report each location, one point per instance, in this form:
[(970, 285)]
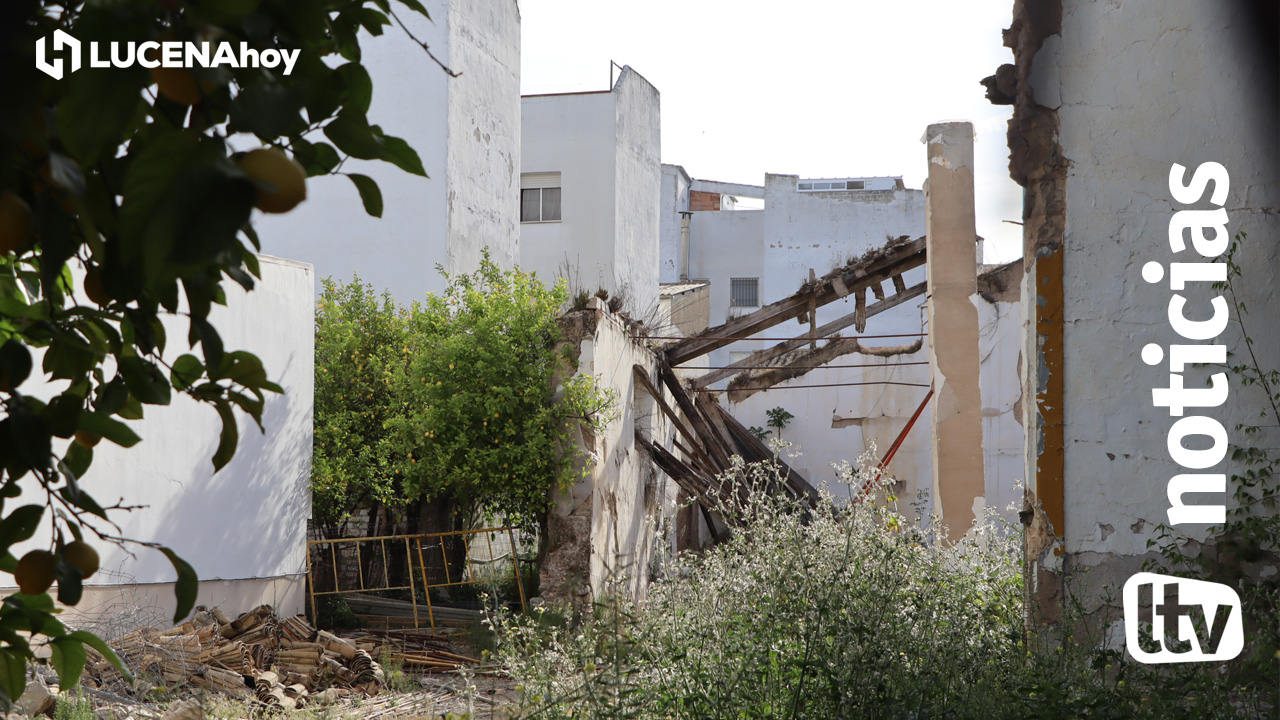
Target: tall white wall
[(483, 174), (1122, 124), (637, 188), (465, 129), (243, 529)]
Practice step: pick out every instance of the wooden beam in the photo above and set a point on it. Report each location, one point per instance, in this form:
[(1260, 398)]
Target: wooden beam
[(697, 453), (801, 365), (878, 269), (799, 486), (691, 414), (753, 361), (813, 320)]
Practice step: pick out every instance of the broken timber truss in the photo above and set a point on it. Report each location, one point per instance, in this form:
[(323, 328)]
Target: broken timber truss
[(707, 435), (857, 278)]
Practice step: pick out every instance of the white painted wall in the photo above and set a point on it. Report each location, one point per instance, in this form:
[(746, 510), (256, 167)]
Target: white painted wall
[(1000, 349), (244, 528), (483, 166), (605, 146), (674, 200), (465, 129), (573, 135), (630, 501), (1139, 86), (637, 190)]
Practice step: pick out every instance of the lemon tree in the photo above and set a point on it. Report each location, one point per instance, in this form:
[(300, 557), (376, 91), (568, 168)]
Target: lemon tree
[(126, 179), (491, 425), (466, 398)]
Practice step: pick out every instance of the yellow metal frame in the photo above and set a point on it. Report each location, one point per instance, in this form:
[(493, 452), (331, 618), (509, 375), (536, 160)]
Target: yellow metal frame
[(412, 543)]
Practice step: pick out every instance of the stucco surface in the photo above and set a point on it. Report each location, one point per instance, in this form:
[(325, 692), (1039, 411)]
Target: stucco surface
[(1142, 85), (248, 521)]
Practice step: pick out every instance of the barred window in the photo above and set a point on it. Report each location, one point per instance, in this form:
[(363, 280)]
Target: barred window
[(744, 292)]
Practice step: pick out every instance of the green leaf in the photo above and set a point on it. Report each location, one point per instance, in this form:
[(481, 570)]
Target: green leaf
[(13, 673), (187, 369), (210, 343), (70, 582), (357, 87), (370, 195), (68, 660), (353, 135), (98, 107), (20, 525), (109, 428), (399, 153), (187, 586), (77, 459), (268, 110), (417, 7), (229, 437), (62, 415), (146, 382), (246, 369), (103, 649)]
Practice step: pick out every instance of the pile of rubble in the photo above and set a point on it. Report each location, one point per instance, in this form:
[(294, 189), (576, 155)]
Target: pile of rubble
[(280, 662)]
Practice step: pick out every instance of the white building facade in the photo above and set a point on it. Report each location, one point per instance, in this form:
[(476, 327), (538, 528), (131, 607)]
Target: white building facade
[(590, 177), (466, 130)]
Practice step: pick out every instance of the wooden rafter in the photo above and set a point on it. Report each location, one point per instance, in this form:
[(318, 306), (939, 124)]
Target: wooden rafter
[(878, 266), (759, 358), (805, 361)]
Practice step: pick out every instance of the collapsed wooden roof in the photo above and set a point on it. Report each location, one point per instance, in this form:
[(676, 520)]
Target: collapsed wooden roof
[(707, 435), (861, 277)]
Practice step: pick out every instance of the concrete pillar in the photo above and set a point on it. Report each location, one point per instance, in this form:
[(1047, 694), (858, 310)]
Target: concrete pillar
[(958, 481)]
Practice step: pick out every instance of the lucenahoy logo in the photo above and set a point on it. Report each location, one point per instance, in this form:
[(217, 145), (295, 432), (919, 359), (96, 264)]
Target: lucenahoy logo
[(156, 53)]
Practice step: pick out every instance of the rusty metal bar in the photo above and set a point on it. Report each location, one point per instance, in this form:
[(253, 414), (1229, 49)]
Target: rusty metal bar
[(515, 562)]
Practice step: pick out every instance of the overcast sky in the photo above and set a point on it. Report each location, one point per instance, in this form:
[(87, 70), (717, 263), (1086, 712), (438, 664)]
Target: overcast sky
[(816, 88)]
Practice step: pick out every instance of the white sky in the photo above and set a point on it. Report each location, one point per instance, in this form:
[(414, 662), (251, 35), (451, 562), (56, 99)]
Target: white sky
[(816, 88)]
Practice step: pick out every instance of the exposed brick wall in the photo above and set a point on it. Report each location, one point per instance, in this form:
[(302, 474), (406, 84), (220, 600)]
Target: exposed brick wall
[(700, 201)]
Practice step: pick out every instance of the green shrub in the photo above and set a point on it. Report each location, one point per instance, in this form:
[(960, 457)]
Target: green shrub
[(857, 611)]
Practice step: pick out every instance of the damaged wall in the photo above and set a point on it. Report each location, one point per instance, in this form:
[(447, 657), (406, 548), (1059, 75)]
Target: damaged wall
[(612, 526), (1107, 97)]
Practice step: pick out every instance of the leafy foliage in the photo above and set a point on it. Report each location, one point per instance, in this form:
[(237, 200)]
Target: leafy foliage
[(453, 398), (360, 351), (121, 203), (847, 612)]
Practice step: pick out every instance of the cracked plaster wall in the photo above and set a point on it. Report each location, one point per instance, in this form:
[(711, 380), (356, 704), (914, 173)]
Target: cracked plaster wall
[(1133, 87), (611, 527)]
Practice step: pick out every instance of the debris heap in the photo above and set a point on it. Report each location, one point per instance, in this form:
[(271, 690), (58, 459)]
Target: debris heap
[(280, 662)]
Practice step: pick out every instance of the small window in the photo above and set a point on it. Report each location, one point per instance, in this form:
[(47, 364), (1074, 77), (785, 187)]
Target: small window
[(540, 205), (540, 197), (744, 292), (855, 185), (806, 186)]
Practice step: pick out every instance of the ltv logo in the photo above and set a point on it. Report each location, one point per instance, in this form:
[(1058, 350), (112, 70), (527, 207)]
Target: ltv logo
[(1190, 621)]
